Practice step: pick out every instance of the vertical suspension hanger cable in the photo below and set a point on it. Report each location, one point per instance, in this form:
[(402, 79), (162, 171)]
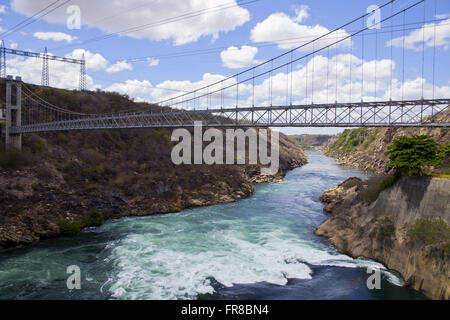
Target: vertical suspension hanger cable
[(351, 67), (253, 88), (376, 60), (270, 79), (292, 83), (312, 77), (434, 54), (237, 90), (403, 57), (423, 59), (221, 96), (391, 48), (287, 84), (362, 66), (328, 71), (336, 61), (423, 49), (306, 81)]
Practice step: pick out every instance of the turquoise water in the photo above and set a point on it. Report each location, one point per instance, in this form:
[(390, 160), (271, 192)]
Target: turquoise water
[(262, 247)]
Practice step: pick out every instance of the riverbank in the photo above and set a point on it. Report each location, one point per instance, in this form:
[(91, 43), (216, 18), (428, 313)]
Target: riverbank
[(407, 228), (260, 247), (34, 208)]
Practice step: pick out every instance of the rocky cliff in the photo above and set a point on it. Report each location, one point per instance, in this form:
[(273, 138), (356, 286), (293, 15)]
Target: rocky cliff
[(407, 228), (65, 181), (311, 141), (365, 148)]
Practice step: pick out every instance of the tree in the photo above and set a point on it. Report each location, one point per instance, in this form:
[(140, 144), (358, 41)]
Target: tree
[(409, 155), (444, 151)]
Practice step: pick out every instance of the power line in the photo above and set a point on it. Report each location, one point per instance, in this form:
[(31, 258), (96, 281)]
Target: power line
[(20, 26), (184, 16), (27, 19), (261, 45), (288, 52)]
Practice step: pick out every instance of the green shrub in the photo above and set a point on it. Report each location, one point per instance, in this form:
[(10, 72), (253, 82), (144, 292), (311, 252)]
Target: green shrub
[(375, 185), (384, 230), (68, 227), (123, 179), (37, 144), (369, 141), (388, 181), (349, 140), (91, 187), (91, 156), (94, 218), (43, 172), (444, 151), (10, 159), (410, 154), (14, 159), (62, 138), (94, 173), (430, 231)]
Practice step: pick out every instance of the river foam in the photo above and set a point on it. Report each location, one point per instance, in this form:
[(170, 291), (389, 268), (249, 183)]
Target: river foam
[(265, 238)]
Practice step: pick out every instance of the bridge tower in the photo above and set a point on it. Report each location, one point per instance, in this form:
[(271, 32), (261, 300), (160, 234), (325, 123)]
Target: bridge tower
[(13, 113), (45, 76)]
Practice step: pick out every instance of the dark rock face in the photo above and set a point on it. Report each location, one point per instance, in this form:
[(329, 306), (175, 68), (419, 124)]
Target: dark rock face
[(383, 230)]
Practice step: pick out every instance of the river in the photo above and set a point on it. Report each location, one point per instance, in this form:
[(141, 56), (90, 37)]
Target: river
[(261, 247)]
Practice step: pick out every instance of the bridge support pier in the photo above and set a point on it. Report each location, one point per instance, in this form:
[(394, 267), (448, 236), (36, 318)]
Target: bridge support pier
[(13, 113)]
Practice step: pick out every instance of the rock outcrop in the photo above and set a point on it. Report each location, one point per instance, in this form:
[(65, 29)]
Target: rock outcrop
[(407, 229)]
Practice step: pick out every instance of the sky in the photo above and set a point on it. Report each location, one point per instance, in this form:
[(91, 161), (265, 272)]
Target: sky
[(155, 49)]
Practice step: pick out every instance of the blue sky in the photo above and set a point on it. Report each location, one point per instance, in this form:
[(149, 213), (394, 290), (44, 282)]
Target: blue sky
[(237, 37)]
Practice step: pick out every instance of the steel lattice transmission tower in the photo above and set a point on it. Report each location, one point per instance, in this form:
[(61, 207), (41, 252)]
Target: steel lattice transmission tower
[(82, 83), (2, 60), (45, 75)]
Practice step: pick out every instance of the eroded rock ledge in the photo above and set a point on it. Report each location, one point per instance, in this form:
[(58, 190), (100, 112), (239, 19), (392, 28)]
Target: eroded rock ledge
[(406, 229)]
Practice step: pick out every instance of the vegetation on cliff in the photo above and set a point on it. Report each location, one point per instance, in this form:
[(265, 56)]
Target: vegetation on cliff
[(366, 148), (409, 155)]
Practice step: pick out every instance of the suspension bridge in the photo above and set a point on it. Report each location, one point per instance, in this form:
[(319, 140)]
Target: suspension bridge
[(303, 87)]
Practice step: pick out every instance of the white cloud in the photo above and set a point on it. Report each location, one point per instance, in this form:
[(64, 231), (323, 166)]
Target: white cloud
[(133, 88), (2, 8), (152, 62), (301, 13), (55, 36), (442, 16), (123, 15), (287, 33), (235, 58), (94, 61), (13, 45), (438, 34), (119, 66)]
